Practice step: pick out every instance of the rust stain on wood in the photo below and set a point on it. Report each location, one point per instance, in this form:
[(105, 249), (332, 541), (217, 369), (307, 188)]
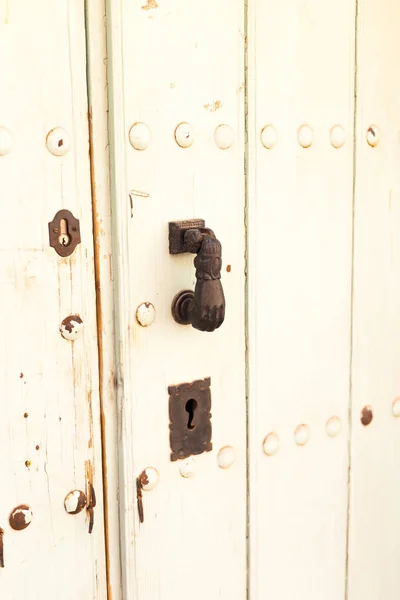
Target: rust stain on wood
[(99, 320), (213, 106), (150, 4)]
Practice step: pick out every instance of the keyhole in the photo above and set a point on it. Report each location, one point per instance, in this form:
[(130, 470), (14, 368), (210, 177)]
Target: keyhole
[(190, 408), (64, 237)]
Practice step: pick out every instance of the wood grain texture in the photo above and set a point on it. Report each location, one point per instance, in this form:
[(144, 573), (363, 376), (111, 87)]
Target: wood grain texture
[(300, 254), (170, 62), (56, 446), (374, 544)]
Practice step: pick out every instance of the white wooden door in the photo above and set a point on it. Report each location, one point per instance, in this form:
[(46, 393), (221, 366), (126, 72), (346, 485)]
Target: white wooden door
[(50, 423), (176, 91), (304, 198), (276, 123)]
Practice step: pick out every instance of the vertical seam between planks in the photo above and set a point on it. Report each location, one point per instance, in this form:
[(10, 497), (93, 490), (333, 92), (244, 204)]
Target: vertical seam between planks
[(349, 443), (246, 284), (99, 312)]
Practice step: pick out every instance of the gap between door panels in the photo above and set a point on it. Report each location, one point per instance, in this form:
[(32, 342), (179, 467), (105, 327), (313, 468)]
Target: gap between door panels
[(350, 412), (96, 76)]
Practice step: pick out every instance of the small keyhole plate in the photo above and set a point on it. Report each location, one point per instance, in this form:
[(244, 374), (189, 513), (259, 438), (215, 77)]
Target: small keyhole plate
[(64, 233), (190, 418)]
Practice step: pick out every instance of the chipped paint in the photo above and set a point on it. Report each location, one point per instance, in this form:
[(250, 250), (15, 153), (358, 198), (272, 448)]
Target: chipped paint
[(150, 5)]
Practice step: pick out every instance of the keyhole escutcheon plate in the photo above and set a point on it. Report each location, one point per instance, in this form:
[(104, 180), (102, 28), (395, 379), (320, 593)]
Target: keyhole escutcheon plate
[(190, 418), (64, 233)]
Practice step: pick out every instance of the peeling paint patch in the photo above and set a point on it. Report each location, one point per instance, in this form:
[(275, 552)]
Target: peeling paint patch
[(150, 5), (213, 106)]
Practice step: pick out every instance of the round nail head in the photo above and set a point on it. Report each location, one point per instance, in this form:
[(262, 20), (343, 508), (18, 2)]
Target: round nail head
[(145, 314), (305, 136), (271, 444), (21, 517), (302, 435), (226, 457), (58, 141), (71, 328), (184, 135), (187, 468), (223, 136), (75, 502), (268, 137), (333, 426), (140, 136), (337, 136), (149, 478)]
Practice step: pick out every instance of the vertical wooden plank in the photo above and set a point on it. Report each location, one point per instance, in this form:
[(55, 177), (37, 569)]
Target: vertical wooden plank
[(172, 62), (374, 547), (102, 229), (49, 429), (300, 73)]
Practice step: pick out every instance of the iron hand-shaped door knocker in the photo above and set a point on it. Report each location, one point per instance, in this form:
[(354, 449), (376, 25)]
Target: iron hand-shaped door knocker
[(204, 308)]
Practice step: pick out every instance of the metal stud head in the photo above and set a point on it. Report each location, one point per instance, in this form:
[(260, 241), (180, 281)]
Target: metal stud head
[(301, 435), (226, 457), (140, 136), (58, 141), (75, 502), (271, 444), (145, 314), (184, 135), (224, 136), (187, 467), (148, 479), (305, 136), (21, 517), (71, 328), (268, 137)]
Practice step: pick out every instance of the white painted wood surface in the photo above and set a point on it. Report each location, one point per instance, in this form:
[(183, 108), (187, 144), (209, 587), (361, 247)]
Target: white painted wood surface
[(374, 541), (300, 72), (171, 62), (50, 421)]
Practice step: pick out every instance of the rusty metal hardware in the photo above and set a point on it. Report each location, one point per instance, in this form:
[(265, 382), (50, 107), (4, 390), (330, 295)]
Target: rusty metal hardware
[(190, 418), (139, 494), (204, 308), (1, 548), (64, 233), (75, 502), (91, 505), (21, 517)]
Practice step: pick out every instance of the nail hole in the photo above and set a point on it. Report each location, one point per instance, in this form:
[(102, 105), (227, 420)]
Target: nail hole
[(28, 463), (366, 415), (228, 268), (37, 447), (26, 415), (21, 376), (190, 408), (60, 143)]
